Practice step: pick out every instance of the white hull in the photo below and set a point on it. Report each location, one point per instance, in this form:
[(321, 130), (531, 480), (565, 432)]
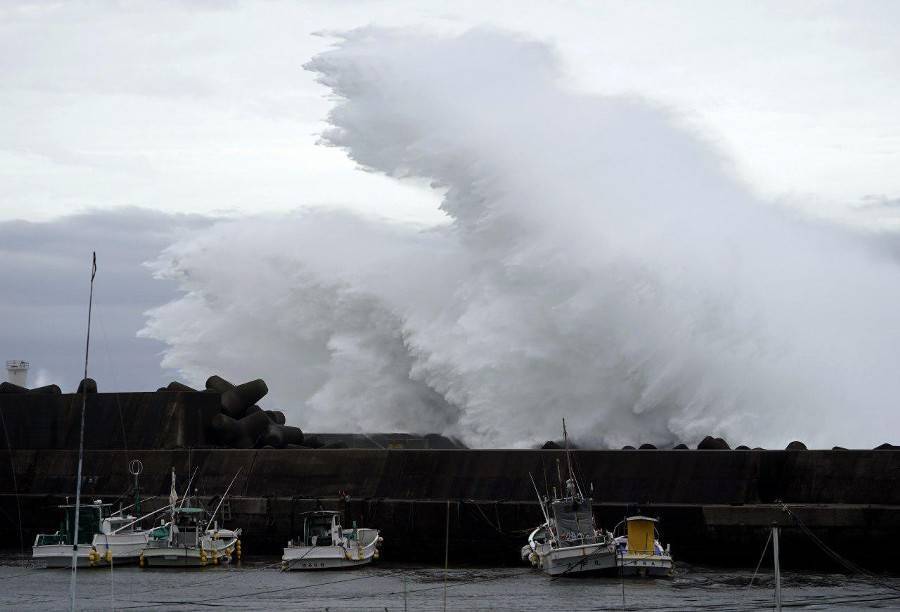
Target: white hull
[(320, 557), (222, 542), (215, 549), (122, 547), (326, 557), (573, 560), (60, 555), (174, 557), (646, 565)]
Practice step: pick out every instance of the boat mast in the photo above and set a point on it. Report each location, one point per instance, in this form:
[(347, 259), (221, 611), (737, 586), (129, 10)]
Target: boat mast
[(540, 501), (224, 495), (571, 472), (87, 346), (173, 499), (136, 467)]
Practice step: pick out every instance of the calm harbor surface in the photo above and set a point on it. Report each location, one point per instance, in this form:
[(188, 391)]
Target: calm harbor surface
[(259, 584)]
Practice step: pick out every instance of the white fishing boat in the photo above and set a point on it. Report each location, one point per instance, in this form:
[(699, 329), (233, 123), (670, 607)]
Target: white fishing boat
[(640, 553), (569, 542), (102, 539), (190, 538), (325, 544), (55, 549), (183, 542)]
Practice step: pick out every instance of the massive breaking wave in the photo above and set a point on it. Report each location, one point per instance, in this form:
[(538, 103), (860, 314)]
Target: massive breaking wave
[(599, 262)]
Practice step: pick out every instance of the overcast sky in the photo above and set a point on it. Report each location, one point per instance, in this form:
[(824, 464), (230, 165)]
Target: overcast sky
[(44, 286), (203, 106), (121, 117)]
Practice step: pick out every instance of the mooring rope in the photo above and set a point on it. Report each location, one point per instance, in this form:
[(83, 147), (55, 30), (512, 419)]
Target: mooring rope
[(761, 557)]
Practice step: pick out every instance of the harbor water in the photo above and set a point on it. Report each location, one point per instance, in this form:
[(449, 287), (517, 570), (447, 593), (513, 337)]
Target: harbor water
[(258, 584)]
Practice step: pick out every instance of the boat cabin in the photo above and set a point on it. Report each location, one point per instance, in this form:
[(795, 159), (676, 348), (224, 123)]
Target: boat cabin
[(189, 525), (574, 521), (640, 536), (185, 530), (321, 528), (90, 517), (111, 524), (641, 531)]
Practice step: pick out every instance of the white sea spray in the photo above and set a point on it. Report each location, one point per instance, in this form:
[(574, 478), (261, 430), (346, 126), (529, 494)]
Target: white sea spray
[(601, 262)]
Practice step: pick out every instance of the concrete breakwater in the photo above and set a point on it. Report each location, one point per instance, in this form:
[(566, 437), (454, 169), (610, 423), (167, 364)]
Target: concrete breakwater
[(716, 505)]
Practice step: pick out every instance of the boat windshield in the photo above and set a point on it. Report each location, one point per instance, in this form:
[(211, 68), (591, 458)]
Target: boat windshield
[(51, 539)]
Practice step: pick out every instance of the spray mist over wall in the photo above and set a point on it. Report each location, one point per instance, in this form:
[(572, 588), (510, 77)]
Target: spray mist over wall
[(600, 263)]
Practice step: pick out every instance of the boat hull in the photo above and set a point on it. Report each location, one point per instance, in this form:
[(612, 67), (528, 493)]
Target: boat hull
[(577, 560), (646, 565), (217, 547), (60, 555), (123, 548), (181, 557), (307, 558), (174, 557)]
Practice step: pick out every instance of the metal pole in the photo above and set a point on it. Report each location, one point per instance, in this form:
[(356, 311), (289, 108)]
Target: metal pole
[(87, 346), (137, 496), (777, 569), (446, 553)]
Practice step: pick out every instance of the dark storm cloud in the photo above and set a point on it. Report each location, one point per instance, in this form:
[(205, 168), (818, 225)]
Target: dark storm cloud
[(44, 284)]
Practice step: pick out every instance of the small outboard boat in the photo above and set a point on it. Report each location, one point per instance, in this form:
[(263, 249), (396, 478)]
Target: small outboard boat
[(325, 544), (639, 550)]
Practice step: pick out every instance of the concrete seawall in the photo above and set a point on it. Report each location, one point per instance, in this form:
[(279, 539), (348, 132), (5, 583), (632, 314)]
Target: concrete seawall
[(112, 420), (715, 506)]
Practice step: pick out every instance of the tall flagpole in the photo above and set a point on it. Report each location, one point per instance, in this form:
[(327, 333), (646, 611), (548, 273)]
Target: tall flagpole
[(87, 347)]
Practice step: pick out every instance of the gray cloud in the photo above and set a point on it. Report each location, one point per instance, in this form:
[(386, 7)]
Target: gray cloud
[(44, 293), (879, 202)]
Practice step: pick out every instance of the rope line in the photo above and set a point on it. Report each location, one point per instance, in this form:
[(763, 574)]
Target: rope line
[(12, 468), (846, 563), (761, 557)]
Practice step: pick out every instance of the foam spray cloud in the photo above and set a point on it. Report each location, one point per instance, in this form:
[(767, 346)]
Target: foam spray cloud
[(600, 262)]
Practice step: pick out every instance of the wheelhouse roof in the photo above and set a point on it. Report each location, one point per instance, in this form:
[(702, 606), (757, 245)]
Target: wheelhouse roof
[(91, 505)]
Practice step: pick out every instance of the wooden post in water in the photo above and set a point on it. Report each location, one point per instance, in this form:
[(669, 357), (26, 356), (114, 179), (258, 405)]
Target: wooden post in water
[(777, 569), (446, 553)]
